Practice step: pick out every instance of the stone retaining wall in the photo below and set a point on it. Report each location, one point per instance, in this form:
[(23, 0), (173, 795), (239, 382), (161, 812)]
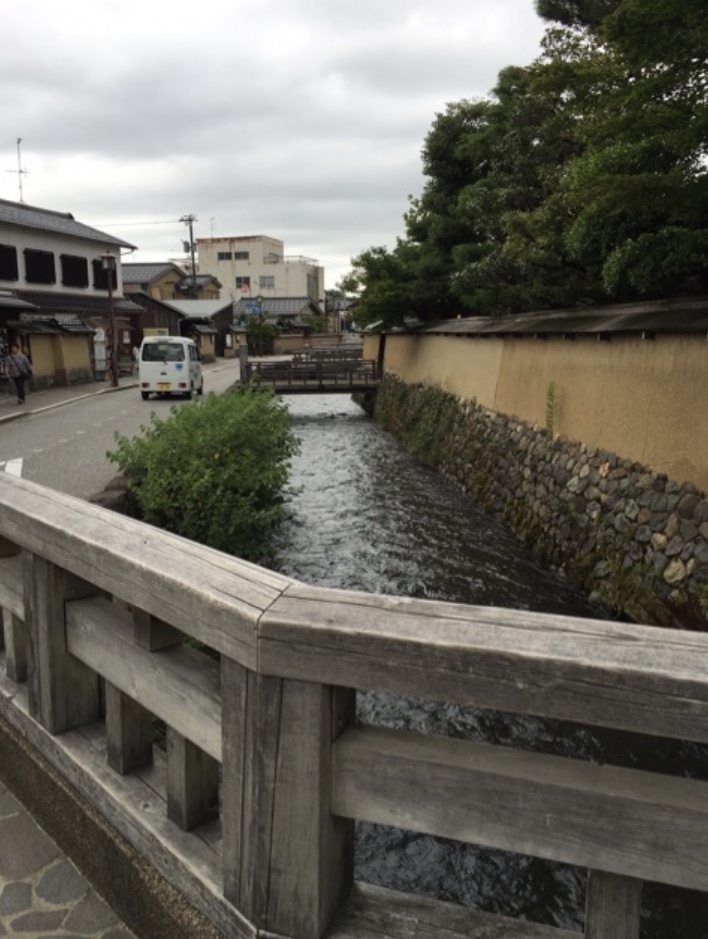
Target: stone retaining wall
[(634, 539)]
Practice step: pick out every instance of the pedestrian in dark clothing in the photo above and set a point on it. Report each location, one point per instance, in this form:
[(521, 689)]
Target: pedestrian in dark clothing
[(19, 369)]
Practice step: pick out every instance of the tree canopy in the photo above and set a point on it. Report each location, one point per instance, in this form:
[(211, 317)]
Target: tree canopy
[(582, 178)]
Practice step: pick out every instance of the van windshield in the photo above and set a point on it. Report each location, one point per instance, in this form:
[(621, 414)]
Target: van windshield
[(163, 352)]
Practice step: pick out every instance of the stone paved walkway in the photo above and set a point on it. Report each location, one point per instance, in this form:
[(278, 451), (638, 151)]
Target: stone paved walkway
[(42, 894)]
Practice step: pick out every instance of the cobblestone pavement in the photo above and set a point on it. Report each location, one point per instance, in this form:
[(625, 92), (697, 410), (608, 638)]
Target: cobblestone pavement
[(42, 894)]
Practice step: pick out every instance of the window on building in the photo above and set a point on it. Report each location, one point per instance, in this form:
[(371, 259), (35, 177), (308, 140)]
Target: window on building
[(242, 282), (223, 256), (267, 282), (39, 267), (100, 280), (74, 271), (8, 262), (240, 255)]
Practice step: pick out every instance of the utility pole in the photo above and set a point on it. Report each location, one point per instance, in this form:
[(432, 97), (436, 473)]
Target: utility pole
[(108, 263), (190, 220)]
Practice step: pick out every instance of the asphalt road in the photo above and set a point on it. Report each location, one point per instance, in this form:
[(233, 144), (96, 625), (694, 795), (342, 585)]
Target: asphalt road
[(65, 447)]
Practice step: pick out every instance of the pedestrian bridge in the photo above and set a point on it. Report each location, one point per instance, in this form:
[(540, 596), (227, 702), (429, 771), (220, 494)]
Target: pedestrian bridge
[(248, 811), (319, 371)]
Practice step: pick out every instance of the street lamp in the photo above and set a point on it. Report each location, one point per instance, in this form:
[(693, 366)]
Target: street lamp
[(108, 264)]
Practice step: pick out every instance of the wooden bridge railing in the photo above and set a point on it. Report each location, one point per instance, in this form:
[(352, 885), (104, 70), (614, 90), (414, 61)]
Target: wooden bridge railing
[(344, 353), (319, 374), (249, 810)]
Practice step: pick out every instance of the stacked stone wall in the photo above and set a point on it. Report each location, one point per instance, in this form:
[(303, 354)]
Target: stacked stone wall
[(632, 538)]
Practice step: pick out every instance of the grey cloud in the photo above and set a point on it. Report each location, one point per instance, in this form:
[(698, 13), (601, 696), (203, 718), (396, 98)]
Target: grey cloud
[(303, 121)]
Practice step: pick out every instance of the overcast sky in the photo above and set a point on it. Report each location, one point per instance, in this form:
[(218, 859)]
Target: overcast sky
[(299, 120)]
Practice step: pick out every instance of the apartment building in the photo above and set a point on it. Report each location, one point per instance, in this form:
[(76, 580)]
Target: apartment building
[(256, 265)]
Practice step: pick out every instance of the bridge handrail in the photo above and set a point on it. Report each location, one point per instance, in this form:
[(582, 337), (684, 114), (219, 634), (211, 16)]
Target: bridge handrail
[(302, 372), (89, 593), (338, 354)]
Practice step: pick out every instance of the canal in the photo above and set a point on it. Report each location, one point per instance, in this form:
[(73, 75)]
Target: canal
[(365, 516)]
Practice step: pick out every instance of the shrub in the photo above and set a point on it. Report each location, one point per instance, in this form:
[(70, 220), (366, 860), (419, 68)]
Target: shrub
[(215, 472)]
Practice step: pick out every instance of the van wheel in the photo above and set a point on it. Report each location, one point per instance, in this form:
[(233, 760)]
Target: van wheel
[(200, 389), (144, 395), (188, 395)]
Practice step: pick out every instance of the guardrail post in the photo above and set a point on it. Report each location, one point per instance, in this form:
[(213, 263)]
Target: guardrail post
[(62, 692), (613, 906), (288, 861)]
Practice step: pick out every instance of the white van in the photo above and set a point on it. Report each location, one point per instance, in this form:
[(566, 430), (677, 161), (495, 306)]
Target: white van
[(169, 365)]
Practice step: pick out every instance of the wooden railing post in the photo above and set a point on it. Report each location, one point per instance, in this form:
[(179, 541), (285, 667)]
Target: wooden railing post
[(62, 692), (12, 639), (192, 783), (12, 630), (288, 861), (129, 726), (613, 906), (128, 732)]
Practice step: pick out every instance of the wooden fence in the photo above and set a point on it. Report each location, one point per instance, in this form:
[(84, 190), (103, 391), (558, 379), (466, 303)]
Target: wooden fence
[(249, 811)]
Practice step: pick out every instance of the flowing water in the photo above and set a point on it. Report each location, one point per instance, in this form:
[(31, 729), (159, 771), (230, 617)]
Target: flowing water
[(368, 517)]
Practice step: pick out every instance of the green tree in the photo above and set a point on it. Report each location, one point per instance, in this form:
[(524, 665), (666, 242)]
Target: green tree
[(380, 278), (563, 88), (576, 12), (260, 334), (315, 322), (215, 472), (581, 179), (455, 155), (639, 192)]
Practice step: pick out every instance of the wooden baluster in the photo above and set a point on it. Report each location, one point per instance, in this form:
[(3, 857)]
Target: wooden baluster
[(153, 634), (8, 548), (12, 636), (192, 783), (129, 727), (63, 693), (613, 906), (287, 860), (128, 732)]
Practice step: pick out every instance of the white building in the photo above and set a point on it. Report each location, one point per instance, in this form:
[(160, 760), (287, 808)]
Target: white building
[(256, 265)]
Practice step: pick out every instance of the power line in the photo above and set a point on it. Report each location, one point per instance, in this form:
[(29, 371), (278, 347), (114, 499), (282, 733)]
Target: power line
[(169, 221)]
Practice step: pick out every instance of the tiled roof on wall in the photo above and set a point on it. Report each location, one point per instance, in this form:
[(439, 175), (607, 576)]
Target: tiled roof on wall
[(659, 316)]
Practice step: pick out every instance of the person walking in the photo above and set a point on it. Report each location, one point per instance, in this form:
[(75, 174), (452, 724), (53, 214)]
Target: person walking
[(19, 369)]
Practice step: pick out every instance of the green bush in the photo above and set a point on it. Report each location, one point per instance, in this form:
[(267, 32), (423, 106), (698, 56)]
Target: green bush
[(215, 472)]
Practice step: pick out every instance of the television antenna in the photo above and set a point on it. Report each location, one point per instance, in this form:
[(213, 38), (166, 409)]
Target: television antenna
[(20, 172)]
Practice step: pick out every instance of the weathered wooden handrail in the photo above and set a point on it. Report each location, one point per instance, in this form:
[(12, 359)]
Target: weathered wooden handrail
[(264, 739), (338, 354), (315, 375)]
